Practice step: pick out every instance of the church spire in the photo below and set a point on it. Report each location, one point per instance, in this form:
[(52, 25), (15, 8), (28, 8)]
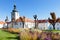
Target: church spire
[(14, 13), (14, 6), (14, 10)]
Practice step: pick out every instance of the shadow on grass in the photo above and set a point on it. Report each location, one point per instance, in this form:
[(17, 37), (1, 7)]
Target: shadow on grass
[(15, 38)]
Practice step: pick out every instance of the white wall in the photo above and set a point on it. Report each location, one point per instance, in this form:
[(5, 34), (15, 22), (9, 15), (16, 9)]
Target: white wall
[(15, 25), (18, 25), (50, 27), (1, 25), (29, 25), (43, 26), (15, 15), (57, 26)]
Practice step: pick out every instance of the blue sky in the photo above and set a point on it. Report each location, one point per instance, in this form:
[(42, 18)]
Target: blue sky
[(29, 8)]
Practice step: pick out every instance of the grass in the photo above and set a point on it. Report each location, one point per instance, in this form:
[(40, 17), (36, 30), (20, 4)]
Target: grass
[(26, 34), (54, 31), (7, 36)]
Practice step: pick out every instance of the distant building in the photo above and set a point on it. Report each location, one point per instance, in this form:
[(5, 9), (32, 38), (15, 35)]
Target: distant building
[(2, 24)]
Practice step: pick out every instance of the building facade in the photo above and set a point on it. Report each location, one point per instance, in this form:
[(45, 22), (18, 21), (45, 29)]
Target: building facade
[(3, 24), (23, 22)]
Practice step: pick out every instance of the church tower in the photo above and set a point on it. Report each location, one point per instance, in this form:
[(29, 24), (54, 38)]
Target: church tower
[(14, 13)]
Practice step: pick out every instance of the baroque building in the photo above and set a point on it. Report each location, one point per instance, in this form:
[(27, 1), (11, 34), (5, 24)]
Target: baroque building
[(24, 22)]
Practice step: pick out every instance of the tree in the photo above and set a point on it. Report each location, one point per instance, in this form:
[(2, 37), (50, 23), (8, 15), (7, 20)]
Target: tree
[(23, 20), (53, 20), (6, 20), (35, 17), (13, 20)]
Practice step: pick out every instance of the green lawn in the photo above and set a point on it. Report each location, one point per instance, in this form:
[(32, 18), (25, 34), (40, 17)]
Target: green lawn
[(7, 36), (55, 31)]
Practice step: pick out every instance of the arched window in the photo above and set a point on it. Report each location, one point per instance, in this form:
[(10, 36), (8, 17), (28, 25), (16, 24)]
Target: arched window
[(57, 26), (16, 23), (50, 27)]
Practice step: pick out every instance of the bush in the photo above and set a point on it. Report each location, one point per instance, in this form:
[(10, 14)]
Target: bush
[(29, 35), (34, 34), (25, 36)]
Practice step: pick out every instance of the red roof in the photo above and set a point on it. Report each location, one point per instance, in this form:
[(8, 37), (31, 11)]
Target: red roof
[(8, 22), (30, 20), (1, 22), (25, 20), (42, 21), (21, 19)]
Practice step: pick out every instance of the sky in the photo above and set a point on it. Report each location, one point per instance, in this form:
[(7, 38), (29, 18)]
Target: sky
[(28, 8)]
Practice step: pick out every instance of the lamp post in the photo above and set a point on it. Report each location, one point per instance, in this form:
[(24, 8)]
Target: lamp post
[(35, 17)]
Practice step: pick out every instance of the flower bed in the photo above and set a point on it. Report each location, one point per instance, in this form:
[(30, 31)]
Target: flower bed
[(35, 34)]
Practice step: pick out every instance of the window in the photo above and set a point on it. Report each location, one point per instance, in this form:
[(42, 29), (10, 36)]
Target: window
[(20, 23), (50, 27), (57, 24), (16, 23), (57, 28)]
